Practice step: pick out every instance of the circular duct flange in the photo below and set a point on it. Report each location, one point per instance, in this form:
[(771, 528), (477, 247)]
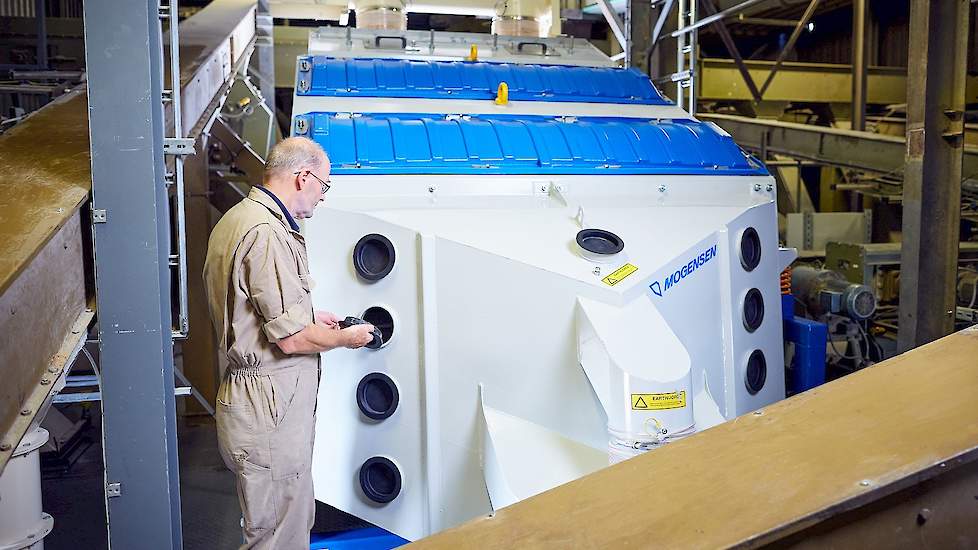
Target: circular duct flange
[(756, 373), (377, 396), (383, 321), (750, 249), (599, 241), (753, 310), (373, 257), (380, 479)]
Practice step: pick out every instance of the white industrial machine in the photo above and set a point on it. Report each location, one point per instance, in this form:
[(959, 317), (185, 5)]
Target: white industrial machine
[(567, 270)]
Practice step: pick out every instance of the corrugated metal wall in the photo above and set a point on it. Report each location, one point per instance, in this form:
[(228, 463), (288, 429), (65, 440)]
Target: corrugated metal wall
[(16, 8), (53, 8)]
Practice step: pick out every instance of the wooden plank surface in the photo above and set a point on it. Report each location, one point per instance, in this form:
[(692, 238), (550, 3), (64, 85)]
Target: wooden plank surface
[(45, 176), (45, 164), (768, 474)]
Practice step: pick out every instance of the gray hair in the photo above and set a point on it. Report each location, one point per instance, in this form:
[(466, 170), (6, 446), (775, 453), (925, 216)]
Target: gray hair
[(292, 155)]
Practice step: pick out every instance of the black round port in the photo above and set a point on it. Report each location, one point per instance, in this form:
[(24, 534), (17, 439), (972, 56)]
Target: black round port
[(373, 257), (750, 249), (377, 396), (753, 310), (380, 479), (756, 373), (599, 241), (382, 319)]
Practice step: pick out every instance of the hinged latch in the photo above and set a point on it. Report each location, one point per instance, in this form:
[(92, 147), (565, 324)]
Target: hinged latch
[(113, 490), (99, 215)]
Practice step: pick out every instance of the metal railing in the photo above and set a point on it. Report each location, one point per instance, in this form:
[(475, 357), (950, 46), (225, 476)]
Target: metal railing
[(177, 147)]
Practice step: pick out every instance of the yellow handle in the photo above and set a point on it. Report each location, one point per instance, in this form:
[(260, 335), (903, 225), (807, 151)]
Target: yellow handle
[(502, 94), (473, 53)]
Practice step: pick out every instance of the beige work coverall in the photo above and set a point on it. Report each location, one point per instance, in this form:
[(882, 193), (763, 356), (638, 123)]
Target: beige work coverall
[(257, 280)]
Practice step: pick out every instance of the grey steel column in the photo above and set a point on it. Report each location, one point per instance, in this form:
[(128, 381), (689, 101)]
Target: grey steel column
[(860, 60), (131, 232), (932, 177), (264, 62), (40, 12), (638, 29)]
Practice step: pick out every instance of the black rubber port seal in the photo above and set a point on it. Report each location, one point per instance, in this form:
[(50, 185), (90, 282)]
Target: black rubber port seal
[(750, 249), (753, 310), (380, 479), (377, 396), (373, 257), (599, 241), (756, 373), (382, 320)]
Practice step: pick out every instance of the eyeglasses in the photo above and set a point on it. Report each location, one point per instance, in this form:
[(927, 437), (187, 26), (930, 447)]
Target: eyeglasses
[(323, 184)]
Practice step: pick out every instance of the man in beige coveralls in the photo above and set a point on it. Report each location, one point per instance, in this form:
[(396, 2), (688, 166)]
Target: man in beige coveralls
[(258, 286)]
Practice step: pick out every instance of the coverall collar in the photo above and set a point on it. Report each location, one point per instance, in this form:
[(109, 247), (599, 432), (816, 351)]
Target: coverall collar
[(277, 208)]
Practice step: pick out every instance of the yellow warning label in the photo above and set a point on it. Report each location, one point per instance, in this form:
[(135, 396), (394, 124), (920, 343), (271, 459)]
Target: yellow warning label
[(619, 275), (658, 401)]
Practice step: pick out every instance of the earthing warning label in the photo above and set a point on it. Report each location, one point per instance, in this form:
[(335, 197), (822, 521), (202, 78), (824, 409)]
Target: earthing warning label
[(658, 401), (619, 275)]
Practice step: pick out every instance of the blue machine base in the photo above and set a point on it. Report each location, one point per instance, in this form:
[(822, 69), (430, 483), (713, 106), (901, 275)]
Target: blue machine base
[(366, 538), (810, 338)]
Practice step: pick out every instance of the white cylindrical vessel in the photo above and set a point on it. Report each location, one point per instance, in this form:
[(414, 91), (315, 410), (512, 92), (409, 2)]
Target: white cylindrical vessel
[(520, 18), (23, 523), (383, 15)]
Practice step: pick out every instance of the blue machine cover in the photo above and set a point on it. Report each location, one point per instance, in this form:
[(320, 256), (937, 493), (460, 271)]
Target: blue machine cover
[(505, 144), (474, 80)]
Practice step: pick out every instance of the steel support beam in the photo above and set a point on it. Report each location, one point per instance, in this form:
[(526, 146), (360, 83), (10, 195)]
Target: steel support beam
[(932, 177), (617, 27), (40, 12), (710, 9), (802, 23), (829, 146), (638, 23), (860, 62), (715, 17), (123, 56), (264, 59)]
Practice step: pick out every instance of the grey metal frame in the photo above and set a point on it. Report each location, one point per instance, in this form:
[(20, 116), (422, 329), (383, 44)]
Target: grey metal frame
[(933, 173), (710, 9), (860, 62), (126, 125), (170, 12), (802, 23)]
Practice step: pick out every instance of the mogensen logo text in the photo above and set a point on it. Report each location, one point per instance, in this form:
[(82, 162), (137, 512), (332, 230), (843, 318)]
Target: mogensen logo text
[(677, 276)]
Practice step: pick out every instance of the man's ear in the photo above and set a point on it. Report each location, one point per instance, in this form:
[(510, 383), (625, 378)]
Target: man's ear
[(298, 181)]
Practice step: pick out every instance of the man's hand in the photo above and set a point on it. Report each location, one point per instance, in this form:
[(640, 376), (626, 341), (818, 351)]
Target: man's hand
[(328, 319), (357, 336)]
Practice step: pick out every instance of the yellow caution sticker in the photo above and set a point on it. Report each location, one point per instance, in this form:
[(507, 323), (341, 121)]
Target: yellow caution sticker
[(658, 401), (619, 275)]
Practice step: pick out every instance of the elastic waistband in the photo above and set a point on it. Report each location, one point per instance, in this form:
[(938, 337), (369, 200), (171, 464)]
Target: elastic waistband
[(268, 371)]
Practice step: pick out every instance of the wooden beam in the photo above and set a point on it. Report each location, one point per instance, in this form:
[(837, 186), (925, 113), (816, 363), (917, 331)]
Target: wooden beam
[(831, 457)]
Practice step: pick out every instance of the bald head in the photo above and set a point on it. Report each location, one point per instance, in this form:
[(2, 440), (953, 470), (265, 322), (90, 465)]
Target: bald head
[(292, 155), (297, 171)]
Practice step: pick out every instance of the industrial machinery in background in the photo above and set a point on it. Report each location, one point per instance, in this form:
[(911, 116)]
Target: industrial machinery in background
[(841, 311), (566, 269)]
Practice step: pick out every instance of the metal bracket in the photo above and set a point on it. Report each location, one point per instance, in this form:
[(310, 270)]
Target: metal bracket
[(113, 490), (178, 146), (99, 215), (808, 219)]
